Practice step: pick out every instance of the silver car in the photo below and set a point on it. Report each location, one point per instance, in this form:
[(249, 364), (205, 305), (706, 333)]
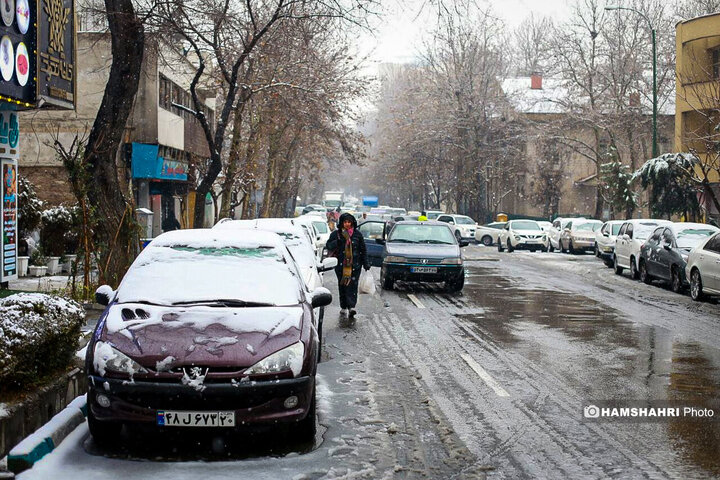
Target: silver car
[(703, 268), (579, 235)]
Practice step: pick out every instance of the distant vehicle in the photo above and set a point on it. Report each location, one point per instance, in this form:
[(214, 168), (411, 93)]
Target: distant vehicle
[(522, 234), (224, 350), (313, 207), (665, 254), (395, 211), (579, 235), (433, 214), (488, 234), (463, 227), (333, 199), (605, 239), (422, 252), (702, 268), (630, 239), (299, 210)]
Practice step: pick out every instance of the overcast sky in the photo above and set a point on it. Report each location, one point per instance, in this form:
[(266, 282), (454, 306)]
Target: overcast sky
[(400, 30)]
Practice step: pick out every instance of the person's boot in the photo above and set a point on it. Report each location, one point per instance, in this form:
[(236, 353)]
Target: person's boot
[(352, 312), (344, 312)]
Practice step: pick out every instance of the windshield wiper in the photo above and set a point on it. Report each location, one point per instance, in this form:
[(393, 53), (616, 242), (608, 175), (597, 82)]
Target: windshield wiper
[(402, 240), (440, 242), (226, 303)]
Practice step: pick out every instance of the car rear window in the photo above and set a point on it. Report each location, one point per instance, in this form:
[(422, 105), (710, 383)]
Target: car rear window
[(464, 221), (691, 237)]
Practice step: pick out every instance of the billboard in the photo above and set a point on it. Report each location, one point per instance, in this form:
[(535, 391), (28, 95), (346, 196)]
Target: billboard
[(18, 43), (9, 220), (56, 79)]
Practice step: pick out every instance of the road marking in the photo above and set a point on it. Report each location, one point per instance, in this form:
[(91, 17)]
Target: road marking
[(415, 300), (485, 376)]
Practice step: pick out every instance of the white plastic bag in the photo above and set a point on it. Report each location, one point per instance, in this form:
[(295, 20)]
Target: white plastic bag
[(367, 283)]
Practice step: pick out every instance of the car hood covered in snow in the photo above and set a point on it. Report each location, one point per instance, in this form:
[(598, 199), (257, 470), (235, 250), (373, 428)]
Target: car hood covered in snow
[(161, 338)]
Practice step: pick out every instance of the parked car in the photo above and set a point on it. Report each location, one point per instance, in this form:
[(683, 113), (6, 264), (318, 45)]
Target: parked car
[(579, 235), (488, 234), (433, 214), (372, 230), (630, 239), (323, 232), (463, 227), (522, 234), (187, 341), (546, 226), (555, 232), (316, 207), (703, 268), (422, 252), (605, 239), (664, 255)]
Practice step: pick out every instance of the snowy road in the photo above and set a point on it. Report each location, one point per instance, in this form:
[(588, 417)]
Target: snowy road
[(493, 381)]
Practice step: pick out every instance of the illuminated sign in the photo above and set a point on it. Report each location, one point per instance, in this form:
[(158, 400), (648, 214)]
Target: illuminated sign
[(56, 54), (18, 44), (9, 220)]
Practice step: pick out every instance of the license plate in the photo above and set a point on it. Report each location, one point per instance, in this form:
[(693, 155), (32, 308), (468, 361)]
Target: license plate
[(423, 269), (173, 418)]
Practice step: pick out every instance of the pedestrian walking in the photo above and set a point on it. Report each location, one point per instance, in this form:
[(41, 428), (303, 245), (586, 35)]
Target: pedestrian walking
[(348, 246)]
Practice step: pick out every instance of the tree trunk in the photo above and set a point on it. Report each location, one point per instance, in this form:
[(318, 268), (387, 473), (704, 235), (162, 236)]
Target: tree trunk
[(115, 227)]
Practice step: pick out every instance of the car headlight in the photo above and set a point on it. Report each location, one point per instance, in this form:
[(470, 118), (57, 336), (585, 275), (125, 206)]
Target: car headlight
[(395, 259), (685, 256), (105, 357), (517, 237), (452, 261), (289, 358)]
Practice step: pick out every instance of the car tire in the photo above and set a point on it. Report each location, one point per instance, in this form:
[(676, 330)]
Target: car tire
[(618, 269), (643, 274), (675, 280), (545, 249), (571, 248), (319, 355), (550, 247), (455, 285), (386, 281), (634, 273), (597, 251), (696, 292), (562, 247), (486, 240), (458, 237), (306, 428), (104, 434), (510, 247), (500, 247)]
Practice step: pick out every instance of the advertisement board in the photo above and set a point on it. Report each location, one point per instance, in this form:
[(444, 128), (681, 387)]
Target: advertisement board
[(18, 44), (56, 54), (9, 220)]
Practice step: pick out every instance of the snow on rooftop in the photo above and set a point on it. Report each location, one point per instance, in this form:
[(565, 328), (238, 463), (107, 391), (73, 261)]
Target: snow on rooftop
[(215, 238), (549, 99)]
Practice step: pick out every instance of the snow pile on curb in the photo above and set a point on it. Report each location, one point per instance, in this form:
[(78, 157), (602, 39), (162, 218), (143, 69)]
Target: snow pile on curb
[(38, 334)]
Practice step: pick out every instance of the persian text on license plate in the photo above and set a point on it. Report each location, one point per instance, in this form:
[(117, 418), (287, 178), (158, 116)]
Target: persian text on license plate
[(174, 418), (423, 269)]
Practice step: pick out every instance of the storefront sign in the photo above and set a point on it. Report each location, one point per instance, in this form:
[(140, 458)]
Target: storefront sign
[(9, 220), (18, 43), (147, 164), (56, 53), (9, 135)]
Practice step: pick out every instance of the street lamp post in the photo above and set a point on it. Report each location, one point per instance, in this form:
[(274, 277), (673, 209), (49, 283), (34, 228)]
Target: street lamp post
[(654, 72)]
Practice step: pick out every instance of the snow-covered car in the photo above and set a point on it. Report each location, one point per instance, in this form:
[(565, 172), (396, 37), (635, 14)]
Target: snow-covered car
[(703, 268), (522, 234), (665, 254), (605, 239), (308, 224), (323, 231), (488, 234), (629, 241), (207, 329), (558, 226), (463, 227), (579, 235)]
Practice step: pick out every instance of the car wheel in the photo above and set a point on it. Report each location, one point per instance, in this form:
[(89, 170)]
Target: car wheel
[(105, 434), (545, 249), (675, 280), (455, 285), (458, 236), (562, 247), (509, 246), (644, 275), (696, 292), (486, 240), (550, 247), (633, 269), (386, 281), (319, 329), (571, 248), (597, 251), (307, 427), (500, 247), (618, 268)]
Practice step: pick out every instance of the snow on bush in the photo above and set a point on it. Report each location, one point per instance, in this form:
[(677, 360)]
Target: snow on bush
[(38, 335)]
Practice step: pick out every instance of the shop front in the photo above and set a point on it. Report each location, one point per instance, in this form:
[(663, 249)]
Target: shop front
[(160, 176)]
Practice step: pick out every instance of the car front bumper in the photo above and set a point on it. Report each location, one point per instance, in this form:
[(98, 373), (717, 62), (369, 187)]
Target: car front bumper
[(529, 244), (583, 244), (254, 403), (402, 271)]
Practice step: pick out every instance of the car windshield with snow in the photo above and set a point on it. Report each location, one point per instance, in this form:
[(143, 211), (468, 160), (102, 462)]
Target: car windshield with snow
[(207, 329)]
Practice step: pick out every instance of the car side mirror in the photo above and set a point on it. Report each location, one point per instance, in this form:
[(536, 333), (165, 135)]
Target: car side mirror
[(104, 294), (451, 222), (328, 264), (606, 234), (381, 241), (321, 297), (464, 243), (667, 246)]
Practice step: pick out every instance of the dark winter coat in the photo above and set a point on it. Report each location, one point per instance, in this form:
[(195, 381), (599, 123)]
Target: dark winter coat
[(336, 245)]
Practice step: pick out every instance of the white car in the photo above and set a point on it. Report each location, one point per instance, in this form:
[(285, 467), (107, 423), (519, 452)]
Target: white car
[(307, 223), (323, 231), (630, 239), (579, 235), (462, 226), (524, 234), (558, 226), (546, 226), (605, 239), (703, 268), (488, 234)]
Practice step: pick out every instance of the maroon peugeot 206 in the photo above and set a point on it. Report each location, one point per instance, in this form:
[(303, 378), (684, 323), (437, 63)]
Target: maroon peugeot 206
[(209, 328)]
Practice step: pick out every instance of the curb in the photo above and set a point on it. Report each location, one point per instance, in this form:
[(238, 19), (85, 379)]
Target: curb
[(43, 441)]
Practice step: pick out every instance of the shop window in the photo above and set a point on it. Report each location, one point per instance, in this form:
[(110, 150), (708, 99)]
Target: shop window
[(716, 63)]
